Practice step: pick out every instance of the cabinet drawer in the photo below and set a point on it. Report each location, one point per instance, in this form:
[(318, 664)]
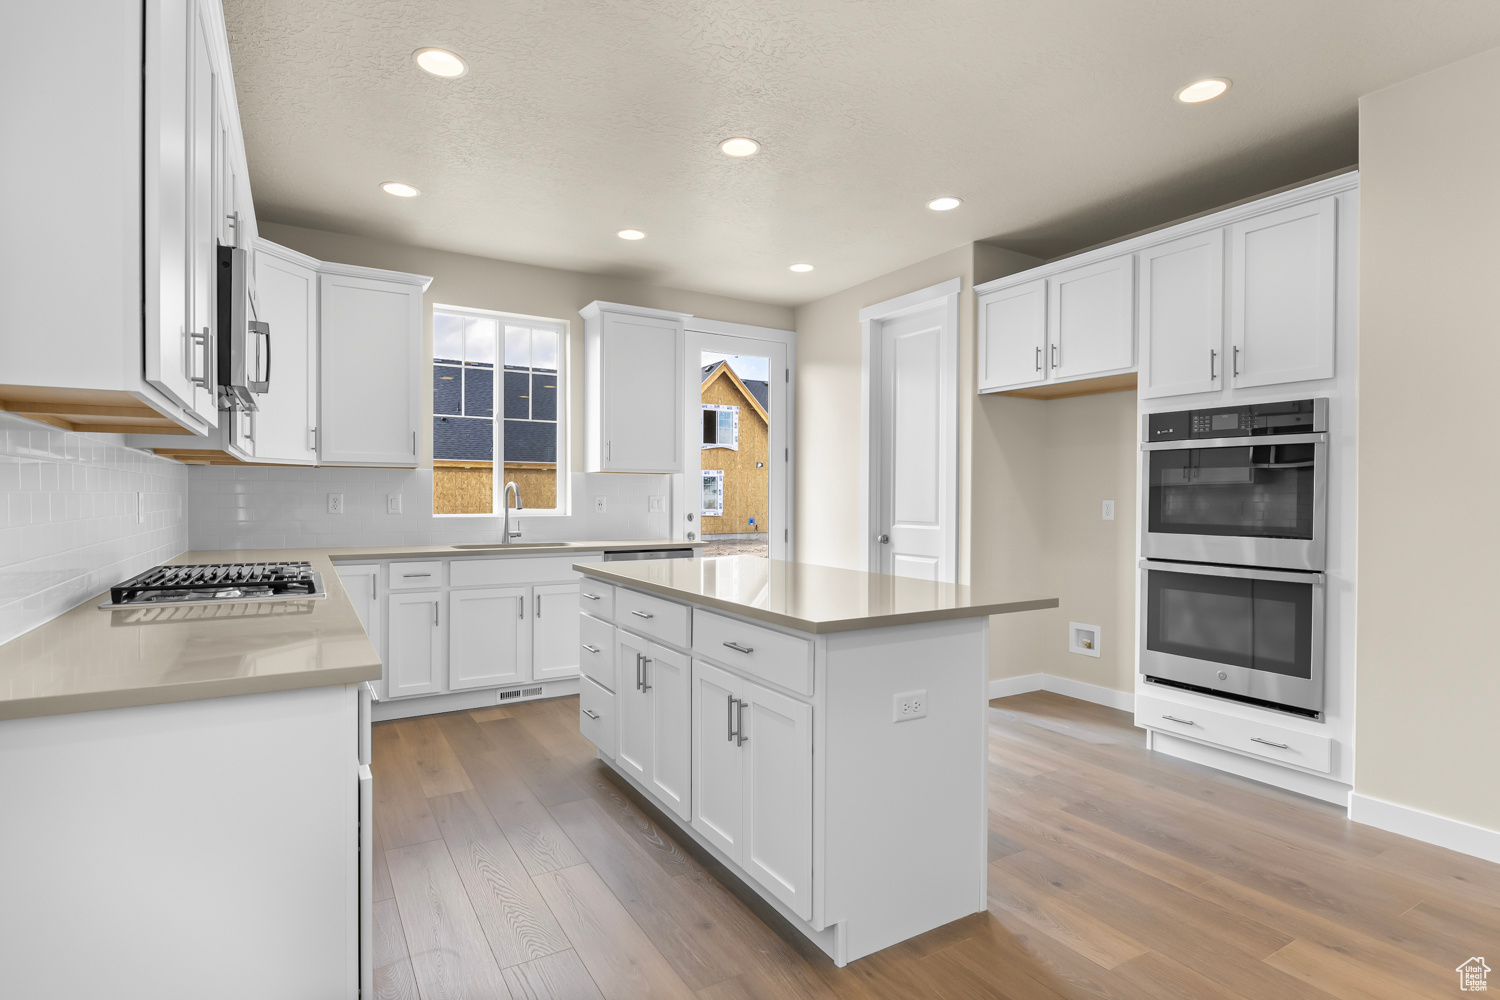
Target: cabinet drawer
[(512, 570), (596, 716), (783, 660), (597, 658), (654, 617), (598, 599), (1263, 739), (416, 575)]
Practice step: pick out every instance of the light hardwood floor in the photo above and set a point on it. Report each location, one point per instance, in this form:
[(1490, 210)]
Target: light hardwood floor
[(510, 864)]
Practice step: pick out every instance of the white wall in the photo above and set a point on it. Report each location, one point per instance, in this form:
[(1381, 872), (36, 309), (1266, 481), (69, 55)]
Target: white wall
[(1429, 538), (69, 522)]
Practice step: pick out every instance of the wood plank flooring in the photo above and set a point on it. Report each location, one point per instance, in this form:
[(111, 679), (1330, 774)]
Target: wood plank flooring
[(512, 863)]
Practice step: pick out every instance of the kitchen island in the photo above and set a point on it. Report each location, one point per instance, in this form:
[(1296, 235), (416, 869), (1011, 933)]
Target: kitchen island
[(821, 732)]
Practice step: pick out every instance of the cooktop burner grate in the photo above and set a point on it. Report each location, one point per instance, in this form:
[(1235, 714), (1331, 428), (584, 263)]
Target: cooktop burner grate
[(219, 582)]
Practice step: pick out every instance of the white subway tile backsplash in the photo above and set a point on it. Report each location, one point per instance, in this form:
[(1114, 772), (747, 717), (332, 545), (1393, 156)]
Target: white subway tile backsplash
[(68, 523)]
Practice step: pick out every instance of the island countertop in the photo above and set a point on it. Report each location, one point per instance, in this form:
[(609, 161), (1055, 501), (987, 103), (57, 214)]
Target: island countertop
[(809, 598)]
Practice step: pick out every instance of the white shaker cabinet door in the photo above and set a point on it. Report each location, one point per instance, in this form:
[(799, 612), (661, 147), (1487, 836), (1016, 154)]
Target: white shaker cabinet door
[(370, 370), (362, 586), (1282, 291), (1182, 316), (1013, 336), (415, 660), (634, 722), (633, 372), (489, 637), (718, 760), (1091, 319), (777, 847), (668, 678), (556, 642), (287, 297)]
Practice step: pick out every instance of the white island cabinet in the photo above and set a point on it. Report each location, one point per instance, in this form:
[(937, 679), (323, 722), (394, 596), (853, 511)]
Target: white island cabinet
[(821, 732)]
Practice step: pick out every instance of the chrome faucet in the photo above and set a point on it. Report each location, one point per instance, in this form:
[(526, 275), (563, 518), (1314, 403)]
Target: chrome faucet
[(510, 488)]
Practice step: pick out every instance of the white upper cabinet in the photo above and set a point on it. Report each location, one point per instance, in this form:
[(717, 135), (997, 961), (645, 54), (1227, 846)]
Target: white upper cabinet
[(1091, 319), (1181, 304), (633, 388), (287, 299), (370, 366), (1013, 338), (1282, 268)]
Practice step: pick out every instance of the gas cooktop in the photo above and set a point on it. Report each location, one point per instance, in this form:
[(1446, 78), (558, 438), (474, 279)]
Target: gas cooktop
[(212, 583)]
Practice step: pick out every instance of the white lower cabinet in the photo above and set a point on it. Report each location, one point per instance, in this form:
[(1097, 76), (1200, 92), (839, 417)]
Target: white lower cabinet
[(655, 718), (416, 657), (752, 780), (489, 635), (555, 649)]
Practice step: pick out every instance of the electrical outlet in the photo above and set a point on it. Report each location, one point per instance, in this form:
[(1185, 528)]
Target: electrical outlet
[(335, 503), (909, 705), (393, 503), (598, 505), (658, 505), (1109, 510)]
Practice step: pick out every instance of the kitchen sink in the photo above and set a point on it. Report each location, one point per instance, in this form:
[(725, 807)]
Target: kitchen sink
[(512, 545)]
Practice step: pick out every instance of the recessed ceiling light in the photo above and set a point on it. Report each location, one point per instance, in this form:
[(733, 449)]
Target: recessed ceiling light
[(944, 204), (399, 190), (739, 146), (800, 268), (441, 62), (1203, 90), (631, 234)]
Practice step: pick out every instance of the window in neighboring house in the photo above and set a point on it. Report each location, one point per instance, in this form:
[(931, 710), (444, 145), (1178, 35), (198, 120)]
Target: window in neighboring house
[(721, 426), (713, 493), (476, 356)]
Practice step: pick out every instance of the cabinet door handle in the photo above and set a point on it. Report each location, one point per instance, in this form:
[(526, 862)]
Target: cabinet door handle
[(1054, 355), (740, 739), (1269, 743), (1213, 364), (205, 340), (1185, 722), (1039, 357), (638, 681), (1236, 360), (590, 597), (434, 612), (729, 704), (591, 649), (373, 585), (591, 715), (536, 602), (645, 674), (642, 614), (521, 608), (740, 649)]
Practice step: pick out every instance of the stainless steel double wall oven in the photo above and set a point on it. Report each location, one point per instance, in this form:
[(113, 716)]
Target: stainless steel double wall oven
[(1234, 538)]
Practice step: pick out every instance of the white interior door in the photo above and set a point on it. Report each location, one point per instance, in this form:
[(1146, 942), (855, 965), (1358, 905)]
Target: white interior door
[(762, 361), (912, 424)]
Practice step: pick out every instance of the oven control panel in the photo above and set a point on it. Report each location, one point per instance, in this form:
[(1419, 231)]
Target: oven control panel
[(1298, 416)]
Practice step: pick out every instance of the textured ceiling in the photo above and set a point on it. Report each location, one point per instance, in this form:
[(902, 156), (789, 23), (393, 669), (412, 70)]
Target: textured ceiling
[(1052, 119)]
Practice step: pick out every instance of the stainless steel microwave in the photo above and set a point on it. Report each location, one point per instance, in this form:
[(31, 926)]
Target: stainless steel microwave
[(1251, 634), (244, 344), (1238, 485)]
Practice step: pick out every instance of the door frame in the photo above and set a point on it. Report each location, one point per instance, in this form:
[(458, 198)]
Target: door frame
[(781, 488), (944, 294)]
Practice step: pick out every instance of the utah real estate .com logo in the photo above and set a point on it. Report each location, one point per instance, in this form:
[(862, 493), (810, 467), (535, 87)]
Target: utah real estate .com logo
[(1471, 975)]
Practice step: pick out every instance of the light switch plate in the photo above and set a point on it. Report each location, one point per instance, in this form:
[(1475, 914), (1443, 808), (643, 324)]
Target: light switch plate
[(598, 505), (1108, 511), (393, 503), (658, 505), (335, 503)]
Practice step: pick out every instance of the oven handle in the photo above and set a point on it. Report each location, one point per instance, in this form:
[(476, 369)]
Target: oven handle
[(1235, 442), (1239, 572)]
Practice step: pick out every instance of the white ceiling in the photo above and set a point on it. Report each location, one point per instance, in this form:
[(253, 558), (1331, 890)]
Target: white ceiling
[(1052, 119)]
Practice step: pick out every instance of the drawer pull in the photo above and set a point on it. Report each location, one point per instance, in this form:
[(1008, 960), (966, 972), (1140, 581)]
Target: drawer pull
[(642, 614), (413, 576), (1269, 743), (591, 649), (591, 715), (1185, 722), (740, 649), (591, 597)]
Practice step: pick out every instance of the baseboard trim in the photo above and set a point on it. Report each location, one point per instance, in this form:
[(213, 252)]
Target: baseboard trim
[(1004, 687), (1454, 834), (459, 701)]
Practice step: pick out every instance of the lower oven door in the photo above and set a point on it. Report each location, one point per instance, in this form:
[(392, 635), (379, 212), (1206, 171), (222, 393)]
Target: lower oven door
[(1233, 630)]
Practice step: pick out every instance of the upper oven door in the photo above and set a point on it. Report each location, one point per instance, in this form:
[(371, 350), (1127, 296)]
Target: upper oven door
[(1241, 501)]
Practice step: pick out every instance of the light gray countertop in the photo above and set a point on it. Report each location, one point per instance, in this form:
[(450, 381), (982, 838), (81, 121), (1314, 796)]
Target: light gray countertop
[(89, 659), (809, 598)]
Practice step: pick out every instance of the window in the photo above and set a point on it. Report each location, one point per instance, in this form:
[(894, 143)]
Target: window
[(477, 358), (721, 426), (713, 492)]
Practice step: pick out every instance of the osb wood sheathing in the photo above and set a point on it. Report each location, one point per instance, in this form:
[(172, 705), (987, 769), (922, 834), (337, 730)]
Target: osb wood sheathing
[(468, 489), (746, 492)]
